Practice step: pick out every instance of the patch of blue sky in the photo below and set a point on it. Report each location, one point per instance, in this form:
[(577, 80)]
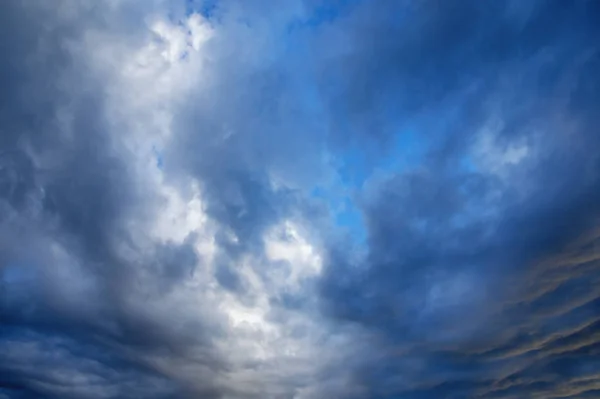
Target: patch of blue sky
[(206, 8), (159, 158), (467, 164), (345, 213), (326, 12), (349, 217), (405, 152), (355, 168)]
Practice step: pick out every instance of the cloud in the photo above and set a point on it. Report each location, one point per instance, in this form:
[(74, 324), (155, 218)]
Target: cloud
[(354, 199), (144, 190), (455, 279)]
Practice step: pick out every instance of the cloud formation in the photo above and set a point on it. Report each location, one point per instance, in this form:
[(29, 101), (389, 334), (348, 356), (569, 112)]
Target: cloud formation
[(351, 199)]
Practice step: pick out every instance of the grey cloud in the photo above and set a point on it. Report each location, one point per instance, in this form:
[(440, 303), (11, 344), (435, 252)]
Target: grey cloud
[(71, 319), (47, 365)]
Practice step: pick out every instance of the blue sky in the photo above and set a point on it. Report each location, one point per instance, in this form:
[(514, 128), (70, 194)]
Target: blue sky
[(299, 199)]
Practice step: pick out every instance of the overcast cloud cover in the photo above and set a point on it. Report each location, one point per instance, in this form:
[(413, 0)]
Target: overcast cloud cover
[(299, 199)]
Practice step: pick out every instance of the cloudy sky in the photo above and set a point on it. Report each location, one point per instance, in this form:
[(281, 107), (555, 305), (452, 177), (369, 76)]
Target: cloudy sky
[(299, 199)]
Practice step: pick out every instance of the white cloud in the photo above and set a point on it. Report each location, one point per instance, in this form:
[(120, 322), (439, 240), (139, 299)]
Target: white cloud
[(267, 344), (498, 157)]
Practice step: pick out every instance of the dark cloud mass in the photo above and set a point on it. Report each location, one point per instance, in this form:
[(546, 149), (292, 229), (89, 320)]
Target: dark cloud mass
[(307, 199), (459, 278)]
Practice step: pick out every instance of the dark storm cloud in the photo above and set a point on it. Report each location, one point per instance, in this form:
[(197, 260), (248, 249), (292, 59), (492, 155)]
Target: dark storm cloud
[(55, 366), (459, 280)]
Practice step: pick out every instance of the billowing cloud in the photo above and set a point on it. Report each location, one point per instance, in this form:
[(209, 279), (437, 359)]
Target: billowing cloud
[(352, 199)]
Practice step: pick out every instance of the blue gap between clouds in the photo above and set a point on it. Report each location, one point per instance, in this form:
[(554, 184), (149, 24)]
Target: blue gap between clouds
[(204, 7), (354, 171), (326, 12), (158, 156)]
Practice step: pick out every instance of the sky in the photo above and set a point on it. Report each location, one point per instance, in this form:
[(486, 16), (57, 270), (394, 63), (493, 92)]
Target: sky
[(299, 199)]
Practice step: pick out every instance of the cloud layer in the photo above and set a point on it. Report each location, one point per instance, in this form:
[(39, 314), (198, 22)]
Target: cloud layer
[(350, 199)]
